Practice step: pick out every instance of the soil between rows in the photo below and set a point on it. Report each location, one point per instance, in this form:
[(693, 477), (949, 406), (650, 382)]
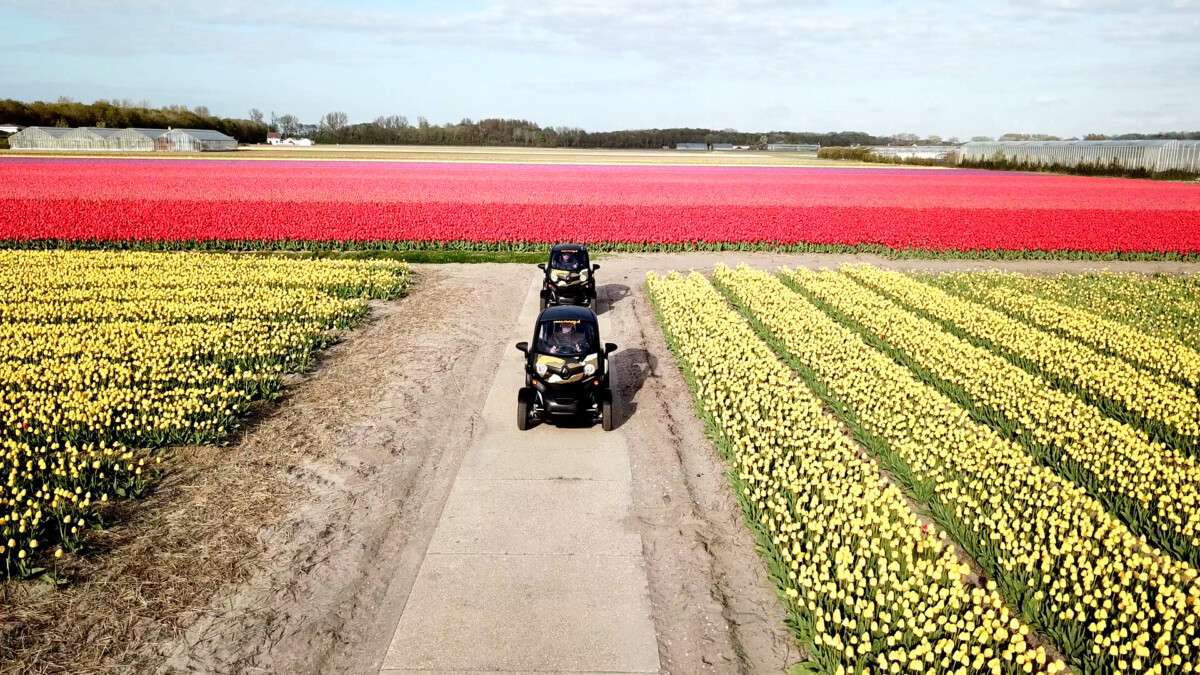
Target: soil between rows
[(292, 550)]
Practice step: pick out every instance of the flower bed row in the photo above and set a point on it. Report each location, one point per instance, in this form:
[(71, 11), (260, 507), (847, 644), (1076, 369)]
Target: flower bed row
[(868, 588), (109, 354), (1107, 600), (1152, 488)]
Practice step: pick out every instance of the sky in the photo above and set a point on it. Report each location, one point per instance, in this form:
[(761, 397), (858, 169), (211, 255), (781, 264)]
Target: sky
[(953, 68)]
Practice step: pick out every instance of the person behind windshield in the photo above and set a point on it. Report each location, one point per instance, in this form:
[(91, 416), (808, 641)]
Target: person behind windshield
[(568, 261), (567, 339)]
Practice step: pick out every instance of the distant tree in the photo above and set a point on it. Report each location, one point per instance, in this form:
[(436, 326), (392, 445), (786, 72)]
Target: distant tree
[(391, 122), (953, 140), (422, 122), (288, 125), (202, 110), (256, 116), (65, 99), (934, 139), (982, 139), (334, 121), (1095, 137)]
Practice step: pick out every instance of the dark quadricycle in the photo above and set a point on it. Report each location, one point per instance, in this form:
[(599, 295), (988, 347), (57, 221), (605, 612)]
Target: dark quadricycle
[(566, 370), (569, 277)]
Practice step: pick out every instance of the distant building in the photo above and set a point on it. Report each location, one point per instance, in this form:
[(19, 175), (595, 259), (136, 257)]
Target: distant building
[(914, 151), (691, 146), (793, 147), (274, 138), (1151, 155), (99, 139), (722, 146), (7, 130), (305, 142)]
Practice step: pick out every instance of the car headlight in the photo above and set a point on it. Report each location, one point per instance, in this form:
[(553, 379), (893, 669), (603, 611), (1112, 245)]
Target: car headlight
[(589, 369), (583, 275), (540, 368)]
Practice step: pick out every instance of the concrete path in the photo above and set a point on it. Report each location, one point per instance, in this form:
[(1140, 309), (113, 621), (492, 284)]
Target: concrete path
[(532, 568)]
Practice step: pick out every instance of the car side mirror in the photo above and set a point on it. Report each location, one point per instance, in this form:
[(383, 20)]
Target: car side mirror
[(542, 266), (609, 348), (595, 267), (523, 347)]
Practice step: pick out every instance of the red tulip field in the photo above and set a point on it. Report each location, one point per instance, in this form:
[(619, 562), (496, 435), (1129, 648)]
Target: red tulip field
[(292, 204)]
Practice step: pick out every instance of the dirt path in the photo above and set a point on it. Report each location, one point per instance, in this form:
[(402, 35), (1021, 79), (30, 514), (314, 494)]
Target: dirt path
[(295, 549), (378, 435)]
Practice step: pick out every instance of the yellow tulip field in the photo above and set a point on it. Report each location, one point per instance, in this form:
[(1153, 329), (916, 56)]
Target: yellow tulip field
[(109, 355), (871, 417), (1162, 306)]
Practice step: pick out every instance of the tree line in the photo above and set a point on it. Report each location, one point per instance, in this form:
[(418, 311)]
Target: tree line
[(335, 127), (119, 114), (397, 130)]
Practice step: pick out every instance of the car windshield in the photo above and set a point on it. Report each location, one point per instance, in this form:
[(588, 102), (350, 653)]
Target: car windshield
[(565, 337), (568, 259)]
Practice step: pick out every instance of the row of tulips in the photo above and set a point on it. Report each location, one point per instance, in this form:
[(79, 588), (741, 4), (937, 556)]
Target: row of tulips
[(868, 586), (110, 354), (1152, 488), (1157, 355), (1109, 601), (1168, 411), (1164, 306)]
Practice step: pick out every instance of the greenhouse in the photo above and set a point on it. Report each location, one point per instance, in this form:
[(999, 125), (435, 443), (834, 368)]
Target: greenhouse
[(1158, 155), (97, 139)]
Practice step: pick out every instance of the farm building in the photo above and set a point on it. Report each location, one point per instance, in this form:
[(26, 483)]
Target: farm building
[(793, 147), (691, 146), (121, 140), (722, 146), (1149, 155)]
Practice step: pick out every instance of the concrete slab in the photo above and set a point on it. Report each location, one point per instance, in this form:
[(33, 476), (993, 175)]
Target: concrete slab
[(538, 613), (531, 568), (566, 454), (536, 517), (393, 671)]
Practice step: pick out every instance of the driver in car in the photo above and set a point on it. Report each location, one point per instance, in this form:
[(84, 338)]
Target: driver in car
[(566, 339), (566, 260)]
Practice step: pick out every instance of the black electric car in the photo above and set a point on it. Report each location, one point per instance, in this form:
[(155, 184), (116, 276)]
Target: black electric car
[(566, 370), (570, 277)]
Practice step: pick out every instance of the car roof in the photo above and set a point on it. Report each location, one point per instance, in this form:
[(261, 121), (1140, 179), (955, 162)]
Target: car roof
[(568, 312), (559, 247)]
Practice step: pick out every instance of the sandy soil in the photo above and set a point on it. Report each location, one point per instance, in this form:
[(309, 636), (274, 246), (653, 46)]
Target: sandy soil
[(293, 549)]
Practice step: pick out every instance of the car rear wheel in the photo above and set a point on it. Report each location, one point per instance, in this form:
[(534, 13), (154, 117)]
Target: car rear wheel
[(606, 411)]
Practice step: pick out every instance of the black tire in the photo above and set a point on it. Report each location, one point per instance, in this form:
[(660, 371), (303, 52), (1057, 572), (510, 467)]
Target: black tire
[(523, 405), (543, 304), (606, 411)]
